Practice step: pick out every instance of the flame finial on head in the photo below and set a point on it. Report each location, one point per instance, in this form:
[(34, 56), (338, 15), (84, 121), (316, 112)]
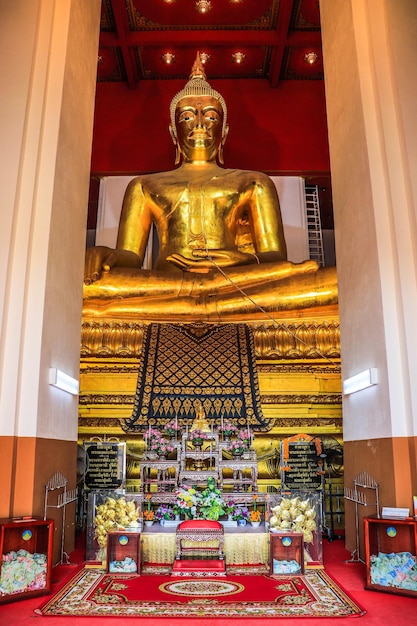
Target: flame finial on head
[(197, 85)]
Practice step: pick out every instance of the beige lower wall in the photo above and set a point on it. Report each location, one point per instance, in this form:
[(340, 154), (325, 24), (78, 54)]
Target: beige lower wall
[(391, 463), (26, 466)]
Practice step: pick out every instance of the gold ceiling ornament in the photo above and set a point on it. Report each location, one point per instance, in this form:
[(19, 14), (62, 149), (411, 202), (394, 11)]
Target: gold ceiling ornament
[(311, 57), (204, 57), (168, 58), (238, 57), (203, 6)]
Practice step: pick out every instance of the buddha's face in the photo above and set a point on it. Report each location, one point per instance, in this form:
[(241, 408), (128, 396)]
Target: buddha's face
[(199, 124)]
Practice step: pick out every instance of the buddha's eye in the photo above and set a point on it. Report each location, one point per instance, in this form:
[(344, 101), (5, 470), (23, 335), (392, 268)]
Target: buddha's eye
[(186, 117)]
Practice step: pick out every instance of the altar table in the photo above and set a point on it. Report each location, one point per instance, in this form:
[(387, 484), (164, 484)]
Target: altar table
[(242, 546)]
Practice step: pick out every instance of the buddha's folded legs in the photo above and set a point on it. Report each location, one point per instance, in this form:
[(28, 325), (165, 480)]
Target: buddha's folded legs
[(211, 297)]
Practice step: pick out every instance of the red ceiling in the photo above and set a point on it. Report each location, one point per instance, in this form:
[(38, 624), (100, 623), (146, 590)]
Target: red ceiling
[(274, 36)]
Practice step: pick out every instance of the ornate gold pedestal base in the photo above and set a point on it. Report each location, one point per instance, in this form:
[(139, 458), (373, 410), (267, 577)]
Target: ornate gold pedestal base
[(298, 359)]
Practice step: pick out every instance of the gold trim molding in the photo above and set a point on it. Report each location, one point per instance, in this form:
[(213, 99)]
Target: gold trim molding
[(296, 340)]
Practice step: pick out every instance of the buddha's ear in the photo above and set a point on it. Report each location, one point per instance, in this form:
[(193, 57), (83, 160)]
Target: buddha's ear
[(220, 151), (173, 135), (175, 142)]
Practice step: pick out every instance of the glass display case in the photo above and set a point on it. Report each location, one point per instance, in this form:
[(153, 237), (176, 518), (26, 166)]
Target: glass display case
[(390, 555), (286, 553), (123, 553), (110, 511), (299, 512), (26, 557)]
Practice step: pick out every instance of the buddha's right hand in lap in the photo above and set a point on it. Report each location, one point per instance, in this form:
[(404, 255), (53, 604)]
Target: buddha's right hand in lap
[(101, 259)]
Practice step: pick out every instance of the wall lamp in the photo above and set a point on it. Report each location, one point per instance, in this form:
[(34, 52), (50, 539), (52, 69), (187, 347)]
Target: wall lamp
[(63, 381), (364, 379)]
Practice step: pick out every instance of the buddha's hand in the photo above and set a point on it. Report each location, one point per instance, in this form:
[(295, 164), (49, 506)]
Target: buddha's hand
[(205, 260), (95, 259), (101, 259)]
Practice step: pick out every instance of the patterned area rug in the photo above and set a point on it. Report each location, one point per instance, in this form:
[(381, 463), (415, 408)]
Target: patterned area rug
[(91, 592)]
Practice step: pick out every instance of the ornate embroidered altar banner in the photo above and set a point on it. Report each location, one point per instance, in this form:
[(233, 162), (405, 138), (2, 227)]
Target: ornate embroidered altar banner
[(189, 368)]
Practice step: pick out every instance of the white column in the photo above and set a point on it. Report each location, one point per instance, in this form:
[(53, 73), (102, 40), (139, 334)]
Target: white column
[(48, 60), (369, 49)]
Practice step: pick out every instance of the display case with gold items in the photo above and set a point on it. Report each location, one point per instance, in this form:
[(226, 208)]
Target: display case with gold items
[(110, 512), (299, 512)]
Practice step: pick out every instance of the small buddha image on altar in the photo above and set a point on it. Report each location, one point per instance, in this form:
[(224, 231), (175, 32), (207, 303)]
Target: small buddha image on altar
[(200, 422)]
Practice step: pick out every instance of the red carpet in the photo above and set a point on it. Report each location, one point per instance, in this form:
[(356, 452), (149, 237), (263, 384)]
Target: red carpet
[(91, 592), (381, 608)]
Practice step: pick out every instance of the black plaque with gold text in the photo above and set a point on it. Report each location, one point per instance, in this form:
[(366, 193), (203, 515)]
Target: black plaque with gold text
[(301, 469), (105, 465)]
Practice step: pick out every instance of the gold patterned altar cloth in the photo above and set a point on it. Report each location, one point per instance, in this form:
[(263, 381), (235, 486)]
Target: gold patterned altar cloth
[(250, 548), (188, 367)]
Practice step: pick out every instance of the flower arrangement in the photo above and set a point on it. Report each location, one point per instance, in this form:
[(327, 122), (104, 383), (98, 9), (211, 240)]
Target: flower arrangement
[(187, 500), (254, 515), (229, 507), (212, 505), (197, 437), (228, 429), (165, 512), (236, 447), (244, 436), (149, 516), (155, 442), (240, 512), (162, 448), (172, 428), (152, 434)]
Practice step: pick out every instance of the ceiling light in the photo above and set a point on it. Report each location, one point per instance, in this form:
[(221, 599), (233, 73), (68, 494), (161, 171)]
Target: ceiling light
[(238, 57), (169, 1), (204, 57), (168, 58), (203, 6), (360, 381), (311, 57), (235, 1)]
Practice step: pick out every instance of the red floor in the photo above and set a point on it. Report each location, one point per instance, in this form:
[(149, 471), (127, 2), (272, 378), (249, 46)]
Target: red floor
[(381, 608)]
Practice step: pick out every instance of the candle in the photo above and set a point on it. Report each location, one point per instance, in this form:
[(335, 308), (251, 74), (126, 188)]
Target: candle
[(176, 422)]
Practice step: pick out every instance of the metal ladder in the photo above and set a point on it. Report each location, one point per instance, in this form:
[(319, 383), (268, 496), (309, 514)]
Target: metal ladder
[(315, 238)]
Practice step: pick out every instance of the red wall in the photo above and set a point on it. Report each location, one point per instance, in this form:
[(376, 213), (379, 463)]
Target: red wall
[(281, 130)]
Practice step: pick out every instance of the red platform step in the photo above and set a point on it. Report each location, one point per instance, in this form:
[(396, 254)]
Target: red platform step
[(197, 567)]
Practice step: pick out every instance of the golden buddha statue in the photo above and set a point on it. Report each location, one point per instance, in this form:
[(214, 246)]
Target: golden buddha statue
[(200, 421), (222, 252)]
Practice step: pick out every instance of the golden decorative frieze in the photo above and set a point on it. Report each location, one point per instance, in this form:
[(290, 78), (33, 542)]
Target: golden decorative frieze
[(282, 398), (319, 367), (111, 338), (309, 339), (100, 399)]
